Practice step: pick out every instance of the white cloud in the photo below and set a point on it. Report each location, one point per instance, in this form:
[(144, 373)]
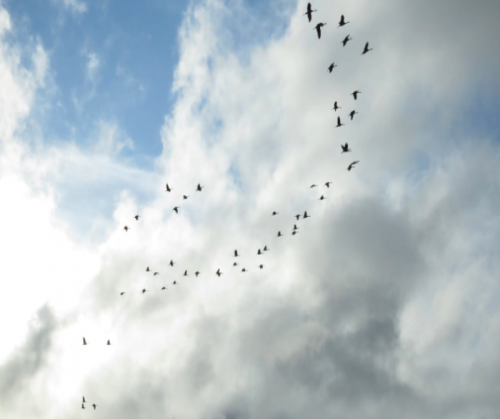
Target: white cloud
[(74, 6), (92, 66)]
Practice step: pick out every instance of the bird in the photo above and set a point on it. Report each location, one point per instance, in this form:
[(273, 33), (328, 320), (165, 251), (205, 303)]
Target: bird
[(331, 67), (197, 273), (172, 263), (279, 234), (176, 209), (94, 406), (125, 228), (164, 288), (295, 227), (235, 264), (235, 253), (243, 270), (352, 114), (355, 94), (261, 266), (109, 343), (351, 166), (305, 215), (265, 248), (309, 11), (335, 107), (318, 29), (147, 269), (186, 273), (219, 273), (328, 184), (322, 198), (84, 399), (168, 188), (259, 252), (144, 290), (294, 233), (297, 216), (345, 148), (84, 341), (346, 40), (83, 407), (339, 124), (156, 273), (137, 217), (366, 49), (175, 282), (123, 292), (342, 21), (185, 196), (274, 213), (313, 185), (199, 188)]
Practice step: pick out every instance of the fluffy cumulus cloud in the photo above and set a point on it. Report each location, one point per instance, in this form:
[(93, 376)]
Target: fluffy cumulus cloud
[(384, 304), (74, 6)]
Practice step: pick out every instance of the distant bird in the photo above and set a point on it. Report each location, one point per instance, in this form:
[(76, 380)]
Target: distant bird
[(172, 263), (279, 234), (199, 188), (366, 49), (331, 67), (339, 124), (259, 252), (137, 217), (185, 273), (197, 273), (84, 341), (176, 209), (156, 273), (342, 21), (352, 114), (164, 288), (219, 273), (94, 406), (297, 216), (168, 188), (175, 282), (84, 399), (313, 185), (305, 215), (243, 270), (355, 94), (294, 233), (109, 343), (335, 107), (322, 198), (261, 266), (345, 148), (147, 269), (265, 248), (125, 228), (185, 196), (122, 293), (318, 29), (295, 227), (309, 11), (274, 213), (235, 253), (328, 184), (144, 290), (346, 40), (351, 166), (83, 407), (235, 264)]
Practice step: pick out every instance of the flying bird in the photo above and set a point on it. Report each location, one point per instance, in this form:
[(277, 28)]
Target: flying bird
[(274, 213), (137, 217), (328, 184), (125, 228), (84, 341), (355, 94), (331, 67), (199, 188), (261, 266), (168, 188), (109, 343), (305, 215), (147, 269), (164, 288), (318, 29), (235, 264), (176, 209), (83, 407), (351, 166), (186, 273), (235, 253), (345, 148), (322, 198), (259, 252), (84, 399), (156, 273), (197, 273), (265, 248), (342, 21), (279, 234), (94, 406), (346, 40), (185, 196), (295, 227), (144, 290), (339, 124), (122, 293), (352, 114), (309, 11), (297, 216), (175, 282), (366, 49), (243, 270), (172, 263), (219, 273), (335, 107), (313, 185), (294, 233)]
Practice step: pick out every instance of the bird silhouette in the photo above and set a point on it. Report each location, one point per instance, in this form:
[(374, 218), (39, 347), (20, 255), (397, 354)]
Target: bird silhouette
[(185, 196), (122, 293), (305, 215), (243, 270), (156, 273), (339, 124), (147, 269), (144, 290), (342, 21), (297, 216), (235, 253), (309, 11), (274, 213), (355, 94), (295, 227), (331, 67), (185, 273), (351, 166), (366, 49), (197, 273), (199, 188), (322, 198), (235, 264), (168, 188), (259, 252), (94, 406), (175, 282), (265, 248), (328, 184), (313, 185), (137, 217), (84, 341), (352, 114), (335, 107), (83, 407), (279, 234), (346, 40), (84, 399), (219, 273), (294, 233), (163, 288), (176, 209), (261, 266), (318, 29), (345, 148), (109, 343), (172, 263), (125, 228)]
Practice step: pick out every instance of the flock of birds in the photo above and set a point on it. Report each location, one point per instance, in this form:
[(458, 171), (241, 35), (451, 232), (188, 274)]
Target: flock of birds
[(261, 251)]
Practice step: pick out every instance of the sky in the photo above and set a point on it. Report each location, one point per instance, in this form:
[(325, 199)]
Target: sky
[(384, 304)]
